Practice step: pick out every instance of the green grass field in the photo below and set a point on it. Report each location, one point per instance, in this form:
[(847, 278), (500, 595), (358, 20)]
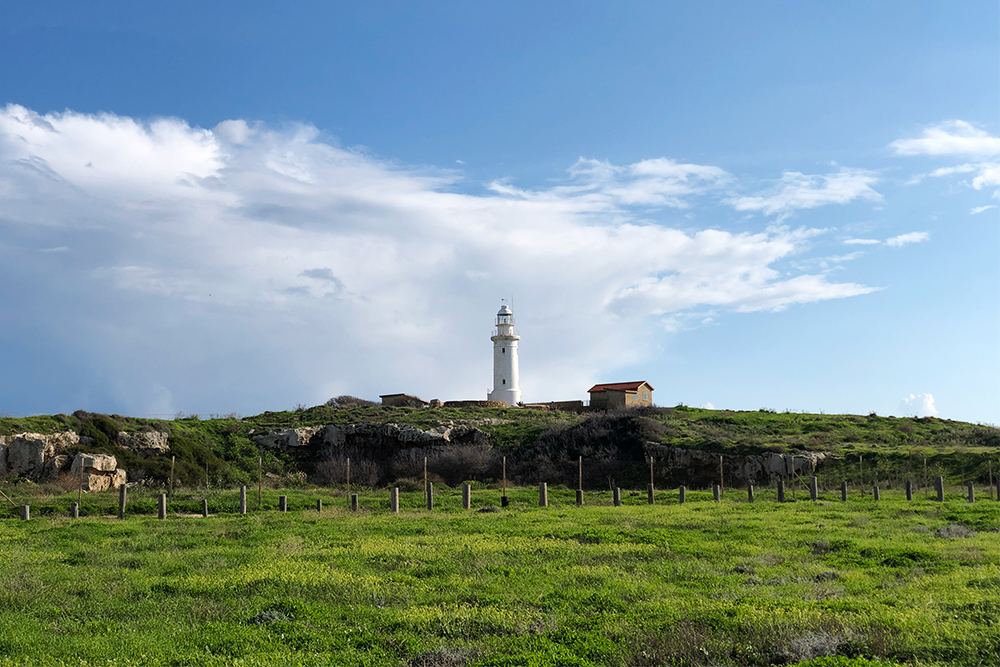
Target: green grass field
[(704, 583)]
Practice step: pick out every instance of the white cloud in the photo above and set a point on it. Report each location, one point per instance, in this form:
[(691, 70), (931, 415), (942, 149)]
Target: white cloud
[(796, 191), (919, 405), (987, 174), (706, 406), (904, 239), (861, 242), (953, 137), (241, 263), (597, 185), (979, 209)]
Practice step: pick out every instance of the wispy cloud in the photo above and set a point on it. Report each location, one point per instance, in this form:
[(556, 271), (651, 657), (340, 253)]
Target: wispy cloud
[(598, 185), (861, 242), (956, 138), (979, 209), (796, 191), (953, 137), (905, 239)]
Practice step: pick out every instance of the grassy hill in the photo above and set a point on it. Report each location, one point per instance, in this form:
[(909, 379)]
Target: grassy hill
[(221, 450)]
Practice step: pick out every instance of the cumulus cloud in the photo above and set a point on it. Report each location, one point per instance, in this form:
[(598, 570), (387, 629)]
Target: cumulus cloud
[(979, 209), (706, 406), (796, 191), (952, 137), (218, 269), (904, 239), (919, 405)]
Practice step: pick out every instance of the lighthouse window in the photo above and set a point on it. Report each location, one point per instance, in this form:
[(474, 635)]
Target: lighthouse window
[(505, 382), (503, 350)]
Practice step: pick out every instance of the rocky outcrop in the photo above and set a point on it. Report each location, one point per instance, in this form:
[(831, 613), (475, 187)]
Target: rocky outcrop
[(34, 455), (475, 404), (288, 438), (98, 472), (691, 466), (153, 443)]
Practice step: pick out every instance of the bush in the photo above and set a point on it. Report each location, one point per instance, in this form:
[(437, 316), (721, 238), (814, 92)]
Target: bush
[(346, 401)]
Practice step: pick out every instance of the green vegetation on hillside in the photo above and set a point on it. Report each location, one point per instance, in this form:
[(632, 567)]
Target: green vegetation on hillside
[(862, 583), (221, 450)]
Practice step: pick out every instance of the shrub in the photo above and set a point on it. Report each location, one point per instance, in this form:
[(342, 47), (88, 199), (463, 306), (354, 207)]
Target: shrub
[(346, 401)]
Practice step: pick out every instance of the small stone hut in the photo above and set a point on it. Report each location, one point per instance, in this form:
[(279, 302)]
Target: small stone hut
[(618, 395)]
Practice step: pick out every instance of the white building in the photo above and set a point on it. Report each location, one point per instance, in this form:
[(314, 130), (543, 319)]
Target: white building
[(505, 375)]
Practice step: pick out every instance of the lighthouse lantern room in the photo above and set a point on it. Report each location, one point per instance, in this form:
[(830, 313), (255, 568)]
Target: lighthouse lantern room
[(505, 375)]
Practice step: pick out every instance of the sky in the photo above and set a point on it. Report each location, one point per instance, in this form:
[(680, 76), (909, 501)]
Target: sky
[(217, 207)]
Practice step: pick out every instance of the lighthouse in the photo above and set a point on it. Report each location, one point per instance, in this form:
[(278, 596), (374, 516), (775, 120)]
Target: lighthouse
[(505, 375)]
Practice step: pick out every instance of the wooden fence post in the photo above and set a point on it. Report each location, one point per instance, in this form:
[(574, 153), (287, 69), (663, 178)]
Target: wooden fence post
[(161, 507), (243, 499), (354, 502), (74, 510), (909, 490), (875, 492), (972, 491), (651, 494), (319, 505), (121, 501), (652, 482), (204, 508), (282, 503), (466, 496), (681, 492), (716, 491), (722, 479), (503, 488), (939, 486), (750, 492), (843, 490), (394, 500), (617, 497), (781, 490), (25, 512), (430, 496), (813, 488), (579, 485), (543, 495)]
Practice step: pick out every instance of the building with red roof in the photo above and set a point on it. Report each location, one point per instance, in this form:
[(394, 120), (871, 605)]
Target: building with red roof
[(618, 395)]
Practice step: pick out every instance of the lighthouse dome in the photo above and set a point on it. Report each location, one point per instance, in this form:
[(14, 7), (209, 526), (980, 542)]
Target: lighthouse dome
[(504, 310)]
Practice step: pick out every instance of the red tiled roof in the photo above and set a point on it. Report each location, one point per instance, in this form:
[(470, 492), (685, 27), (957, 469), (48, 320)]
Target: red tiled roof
[(620, 386)]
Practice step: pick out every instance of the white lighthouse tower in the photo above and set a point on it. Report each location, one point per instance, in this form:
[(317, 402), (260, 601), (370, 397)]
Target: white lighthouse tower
[(505, 375)]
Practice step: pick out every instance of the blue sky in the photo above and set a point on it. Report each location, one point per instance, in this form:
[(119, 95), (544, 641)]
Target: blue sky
[(246, 206)]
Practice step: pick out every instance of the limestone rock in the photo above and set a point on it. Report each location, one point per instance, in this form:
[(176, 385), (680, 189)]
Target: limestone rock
[(57, 464), (96, 482), (287, 438), (694, 464), (26, 453), (153, 443), (94, 463)]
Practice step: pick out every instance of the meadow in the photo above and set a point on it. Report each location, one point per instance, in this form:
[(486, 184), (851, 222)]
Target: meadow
[(730, 583)]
